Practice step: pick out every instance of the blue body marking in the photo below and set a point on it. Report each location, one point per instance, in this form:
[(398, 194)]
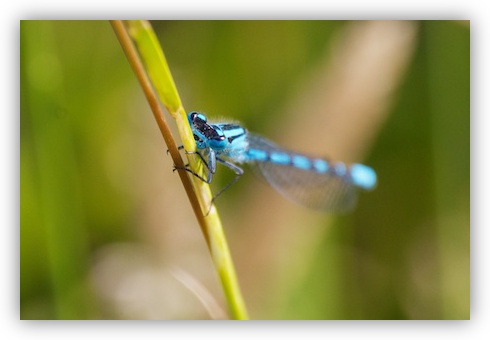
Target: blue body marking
[(313, 182)]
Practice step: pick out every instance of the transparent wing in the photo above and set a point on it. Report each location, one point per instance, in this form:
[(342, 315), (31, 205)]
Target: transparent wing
[(326, 192)]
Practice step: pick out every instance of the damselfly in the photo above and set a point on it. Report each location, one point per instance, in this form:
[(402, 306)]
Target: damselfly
[(310, 181)]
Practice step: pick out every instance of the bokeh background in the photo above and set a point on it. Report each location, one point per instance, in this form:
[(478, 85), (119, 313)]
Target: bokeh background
[(106, 231)]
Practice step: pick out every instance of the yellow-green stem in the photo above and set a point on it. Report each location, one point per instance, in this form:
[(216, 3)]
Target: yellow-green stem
[(198, 192)]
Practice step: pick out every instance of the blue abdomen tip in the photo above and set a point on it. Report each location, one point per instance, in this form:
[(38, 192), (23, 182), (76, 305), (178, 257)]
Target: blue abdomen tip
[(363, 176)]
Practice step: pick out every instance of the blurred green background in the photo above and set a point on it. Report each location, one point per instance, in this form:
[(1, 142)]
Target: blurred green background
[(106, 230)]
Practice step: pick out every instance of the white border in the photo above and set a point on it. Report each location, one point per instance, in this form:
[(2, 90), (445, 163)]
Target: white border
[(9, 134)]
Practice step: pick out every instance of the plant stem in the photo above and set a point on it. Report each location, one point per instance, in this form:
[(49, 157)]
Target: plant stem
[(198, 192)]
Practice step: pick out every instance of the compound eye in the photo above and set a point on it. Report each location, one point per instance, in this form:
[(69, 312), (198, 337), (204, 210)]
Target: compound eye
[(198, 117), (193, 115)]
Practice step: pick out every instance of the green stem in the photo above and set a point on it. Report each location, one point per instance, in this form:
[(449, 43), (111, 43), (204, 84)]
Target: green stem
[(198, 192)]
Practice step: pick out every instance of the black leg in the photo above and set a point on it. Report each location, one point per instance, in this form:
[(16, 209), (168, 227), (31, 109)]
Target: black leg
[(178, 148), (210, 169), (208, 180), (210, 165), (238, 171)]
